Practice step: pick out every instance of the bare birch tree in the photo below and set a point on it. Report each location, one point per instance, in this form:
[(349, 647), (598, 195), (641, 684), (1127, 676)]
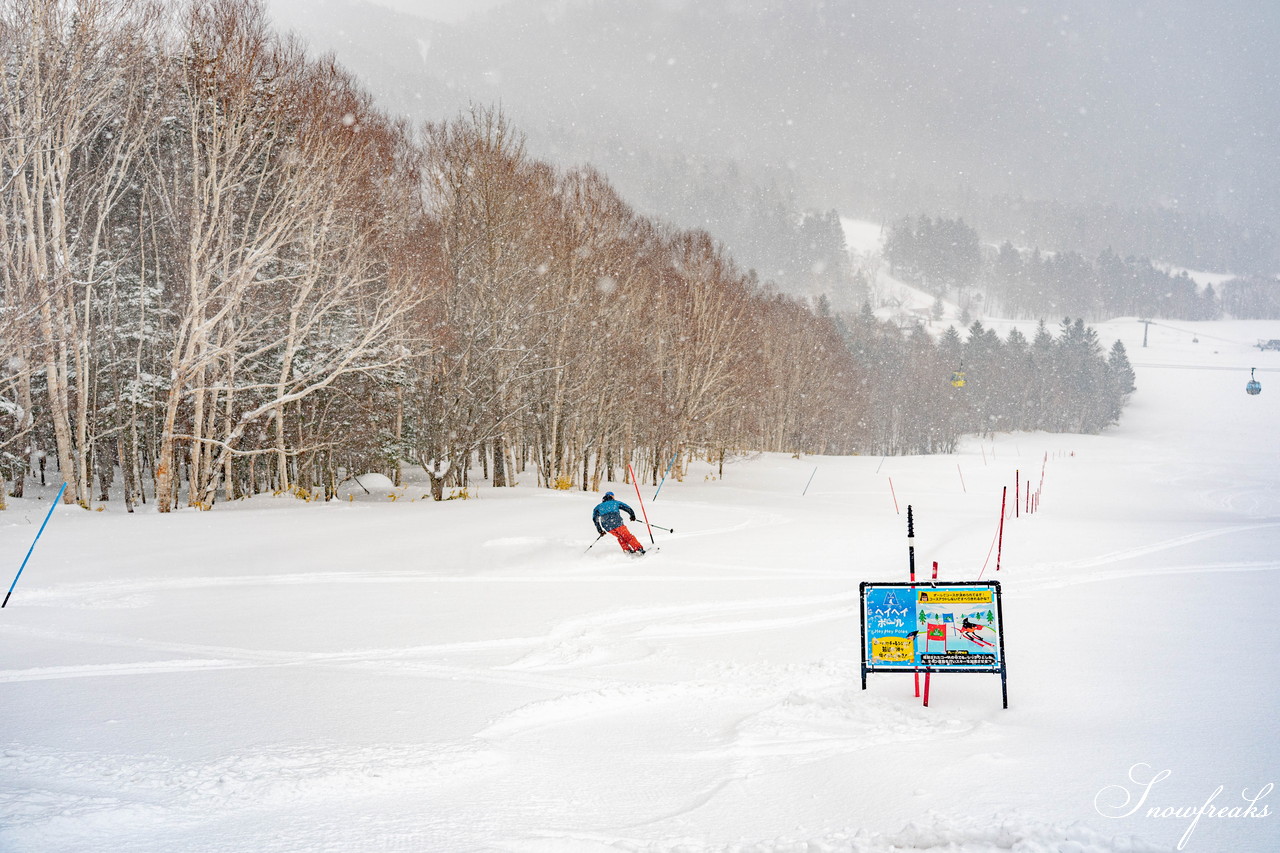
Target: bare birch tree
[(486, 197), (284, 284), (74, 135)]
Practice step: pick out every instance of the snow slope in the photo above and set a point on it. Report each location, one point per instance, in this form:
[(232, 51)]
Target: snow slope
[(865, 239), (380, 675), (896, 301)]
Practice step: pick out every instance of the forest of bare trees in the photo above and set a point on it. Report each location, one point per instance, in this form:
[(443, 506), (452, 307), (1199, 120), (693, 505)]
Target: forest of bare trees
[(224, 272)]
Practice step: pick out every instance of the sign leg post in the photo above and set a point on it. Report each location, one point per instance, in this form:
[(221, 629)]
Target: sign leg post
[(1004, 672), (862, 619)]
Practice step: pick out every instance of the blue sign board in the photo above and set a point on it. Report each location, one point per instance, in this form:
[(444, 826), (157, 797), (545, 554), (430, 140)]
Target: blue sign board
[(932, 627)]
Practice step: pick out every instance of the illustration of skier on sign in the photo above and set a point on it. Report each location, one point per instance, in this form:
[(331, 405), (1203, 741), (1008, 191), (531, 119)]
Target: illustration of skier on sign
[(969, 630), (607, 517)]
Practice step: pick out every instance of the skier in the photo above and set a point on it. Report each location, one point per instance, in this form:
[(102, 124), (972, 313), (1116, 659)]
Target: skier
[(608, 519), (970, 631)]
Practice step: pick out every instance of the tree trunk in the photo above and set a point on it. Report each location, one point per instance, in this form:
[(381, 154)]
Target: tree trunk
[(56, 376), (105, 465), (126, 471), (499, 463), (437, 485)]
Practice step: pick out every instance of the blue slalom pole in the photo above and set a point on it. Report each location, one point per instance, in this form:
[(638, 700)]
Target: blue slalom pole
[(665, 473), (33, 545)]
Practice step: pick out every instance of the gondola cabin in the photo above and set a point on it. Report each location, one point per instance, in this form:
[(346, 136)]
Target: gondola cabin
[(1253, 387), (957, 379)]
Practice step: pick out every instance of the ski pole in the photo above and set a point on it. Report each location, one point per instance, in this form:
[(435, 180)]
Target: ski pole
[(33, 544), (660, 527), (593, 544)]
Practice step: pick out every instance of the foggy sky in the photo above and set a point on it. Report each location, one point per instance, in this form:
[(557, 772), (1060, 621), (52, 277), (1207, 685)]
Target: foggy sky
[(1133, 103)]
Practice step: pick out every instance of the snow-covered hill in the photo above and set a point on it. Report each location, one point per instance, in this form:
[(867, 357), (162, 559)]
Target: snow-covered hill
[(892, 299), (415, 676)]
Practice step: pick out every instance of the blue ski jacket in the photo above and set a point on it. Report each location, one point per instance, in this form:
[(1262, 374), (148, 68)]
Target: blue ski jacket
[(608, 515)]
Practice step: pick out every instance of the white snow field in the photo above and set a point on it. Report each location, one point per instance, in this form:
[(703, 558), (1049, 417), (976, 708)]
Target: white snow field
[(379, 675)]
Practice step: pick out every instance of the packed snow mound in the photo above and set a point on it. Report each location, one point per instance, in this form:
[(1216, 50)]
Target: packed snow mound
[(366, 487)]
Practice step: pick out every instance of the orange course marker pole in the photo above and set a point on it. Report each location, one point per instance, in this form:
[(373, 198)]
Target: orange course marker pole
[(635, 482)]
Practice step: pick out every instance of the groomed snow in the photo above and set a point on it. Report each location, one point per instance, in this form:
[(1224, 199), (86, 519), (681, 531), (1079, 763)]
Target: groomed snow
[(378, 675)]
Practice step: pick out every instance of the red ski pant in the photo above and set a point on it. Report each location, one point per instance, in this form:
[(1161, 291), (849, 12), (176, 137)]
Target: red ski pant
[(626, 540)]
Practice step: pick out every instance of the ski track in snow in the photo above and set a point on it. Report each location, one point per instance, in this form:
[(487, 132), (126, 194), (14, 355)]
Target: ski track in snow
[(43, 673), (571, 643), (585, 639), (1051, 575), (808, 715), (931, 833), (401, 660), (65, 791), (1165, 545), (807, 726), (1190, 569), (139, 592)]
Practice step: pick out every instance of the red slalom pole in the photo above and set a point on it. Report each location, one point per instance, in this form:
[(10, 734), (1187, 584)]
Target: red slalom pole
[(895, 498), (1017, 487), (635, 482)]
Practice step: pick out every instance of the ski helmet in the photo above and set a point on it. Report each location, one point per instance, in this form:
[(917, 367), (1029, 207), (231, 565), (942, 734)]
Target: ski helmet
[(608, 495)]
